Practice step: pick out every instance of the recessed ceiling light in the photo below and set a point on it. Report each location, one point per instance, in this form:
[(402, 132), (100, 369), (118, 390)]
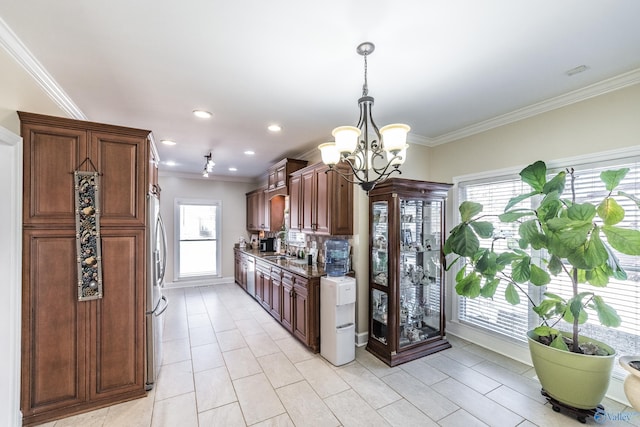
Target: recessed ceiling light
[(168, 142), (202, 114), (233, 169), (274, 128), (249, 152), (576, 70), (170, 163)]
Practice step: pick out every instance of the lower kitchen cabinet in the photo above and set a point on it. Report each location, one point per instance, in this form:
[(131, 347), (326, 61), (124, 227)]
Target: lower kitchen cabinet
[(80, 354), (292, 299)]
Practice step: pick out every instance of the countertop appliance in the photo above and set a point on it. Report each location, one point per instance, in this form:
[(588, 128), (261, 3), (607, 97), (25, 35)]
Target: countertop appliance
[(267, 244), (156, 302), (337, 319)]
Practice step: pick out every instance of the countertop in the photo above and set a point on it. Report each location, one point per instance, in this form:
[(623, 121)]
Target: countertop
[(294, 265)]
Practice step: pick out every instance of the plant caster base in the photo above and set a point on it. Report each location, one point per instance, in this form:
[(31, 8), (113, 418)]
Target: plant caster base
[(580, 414)]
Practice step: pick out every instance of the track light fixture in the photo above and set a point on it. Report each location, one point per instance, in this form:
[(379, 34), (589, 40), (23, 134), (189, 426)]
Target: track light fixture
[(208, 165)]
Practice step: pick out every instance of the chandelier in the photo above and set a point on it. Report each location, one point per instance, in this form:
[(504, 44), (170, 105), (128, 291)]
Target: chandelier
[(208, 165), (372, 154)]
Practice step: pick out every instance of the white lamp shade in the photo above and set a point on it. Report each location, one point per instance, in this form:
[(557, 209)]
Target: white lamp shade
[(346, 138), (402, 156), (394, 137), (330, 153)]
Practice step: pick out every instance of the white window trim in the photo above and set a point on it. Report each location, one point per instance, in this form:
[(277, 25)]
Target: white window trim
[(511, 348), (176, 239)]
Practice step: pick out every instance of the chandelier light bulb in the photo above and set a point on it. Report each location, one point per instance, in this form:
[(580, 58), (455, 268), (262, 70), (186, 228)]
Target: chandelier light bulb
[(330, 153), (346, 138), (394, 137)]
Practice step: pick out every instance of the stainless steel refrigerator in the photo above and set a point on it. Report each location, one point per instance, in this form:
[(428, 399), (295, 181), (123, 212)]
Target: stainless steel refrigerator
[(156, 302)]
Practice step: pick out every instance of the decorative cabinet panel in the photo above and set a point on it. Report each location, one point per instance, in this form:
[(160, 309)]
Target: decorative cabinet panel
[(256, 210), (406, 297), (320, 202), (81, 355), (278, 180), (276, 293)]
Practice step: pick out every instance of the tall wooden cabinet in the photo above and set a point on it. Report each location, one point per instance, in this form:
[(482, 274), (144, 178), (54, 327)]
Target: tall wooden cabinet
[(82, 355), (406, 291)]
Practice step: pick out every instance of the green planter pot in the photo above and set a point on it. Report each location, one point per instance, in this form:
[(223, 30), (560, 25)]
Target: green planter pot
[(574, 379)]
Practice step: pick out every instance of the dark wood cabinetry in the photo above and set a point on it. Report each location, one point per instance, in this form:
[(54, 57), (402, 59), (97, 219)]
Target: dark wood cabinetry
[(292, 299), (256, 213), (406, 280), (81, 355), (278, 179), (320, 202)]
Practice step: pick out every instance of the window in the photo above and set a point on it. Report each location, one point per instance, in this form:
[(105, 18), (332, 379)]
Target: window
[(498, 316), (198, 231)]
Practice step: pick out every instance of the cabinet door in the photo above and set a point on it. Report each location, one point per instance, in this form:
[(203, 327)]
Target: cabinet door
[(237, 267), (53, 324), (301, 311), (276, 294), (295, 202), (252, 211), (307, 204), (339, 195), (117, 334), (287, 302), (322, 214), (50, 156), (122, 161)]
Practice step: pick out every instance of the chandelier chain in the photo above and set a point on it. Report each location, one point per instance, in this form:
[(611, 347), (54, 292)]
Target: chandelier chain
[(365, 86)]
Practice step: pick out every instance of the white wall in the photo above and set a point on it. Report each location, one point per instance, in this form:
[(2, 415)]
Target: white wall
[(11, 272), (233, 200)]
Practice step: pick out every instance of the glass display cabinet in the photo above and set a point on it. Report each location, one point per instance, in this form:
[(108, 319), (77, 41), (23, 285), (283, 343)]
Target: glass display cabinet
[(406, 317)]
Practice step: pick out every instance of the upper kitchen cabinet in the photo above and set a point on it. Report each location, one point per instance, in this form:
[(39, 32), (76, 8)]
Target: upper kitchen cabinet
[(278, 181), (320, 202), (256, 210), (55, 147)]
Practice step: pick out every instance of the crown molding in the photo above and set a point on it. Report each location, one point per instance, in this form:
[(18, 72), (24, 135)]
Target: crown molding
[(609, 85), (19, 52)]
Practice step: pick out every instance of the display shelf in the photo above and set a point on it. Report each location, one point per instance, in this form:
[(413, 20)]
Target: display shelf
[(407, 224)]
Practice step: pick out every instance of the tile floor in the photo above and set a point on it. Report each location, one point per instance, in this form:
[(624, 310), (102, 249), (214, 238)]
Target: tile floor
[(228, 363)]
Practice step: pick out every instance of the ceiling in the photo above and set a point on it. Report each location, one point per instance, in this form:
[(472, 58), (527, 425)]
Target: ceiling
[(441, 67)]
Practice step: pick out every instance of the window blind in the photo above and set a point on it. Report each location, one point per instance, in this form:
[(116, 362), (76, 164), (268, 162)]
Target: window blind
[(498, 316)]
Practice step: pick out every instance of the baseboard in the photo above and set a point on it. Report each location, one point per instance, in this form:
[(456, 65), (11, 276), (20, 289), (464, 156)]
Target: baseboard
[(362, 338), (199, 282)]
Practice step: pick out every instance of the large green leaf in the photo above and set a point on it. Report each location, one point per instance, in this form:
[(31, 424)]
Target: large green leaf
[(483, 229), (576, 308), (469, 286), (486, 264), (515, 215), (599, 276), (539, 277), (511, 294), (581, 212), (595, 254), (614, 264), (521, 270), (558, 343), (464, 241), (550, 206), (535, 175), (571, 234), (489, 288), (545, 331), (556, 184), (622, 239), (612, 178), (606, 313), (528, 230), (515, 200), (610, 211), (547, 308), (555, 265), (468, 210)]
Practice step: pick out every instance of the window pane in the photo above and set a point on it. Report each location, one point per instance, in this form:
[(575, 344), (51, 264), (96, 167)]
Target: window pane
[(624, 295), (198, 229), (197, 258)]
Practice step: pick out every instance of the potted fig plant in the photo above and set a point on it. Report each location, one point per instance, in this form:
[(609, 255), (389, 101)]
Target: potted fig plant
[(569, 237)]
